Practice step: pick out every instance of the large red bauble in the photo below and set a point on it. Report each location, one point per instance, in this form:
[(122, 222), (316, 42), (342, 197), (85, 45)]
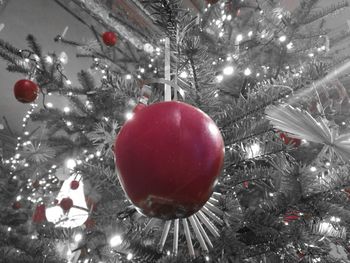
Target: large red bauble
[(109, 38), (26, 91), (168, 157)]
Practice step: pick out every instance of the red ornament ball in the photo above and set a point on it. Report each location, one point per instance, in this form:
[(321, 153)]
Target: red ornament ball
[(74, 184), (90, 223), (16, 205), (26, 91), (290, 140), (168, 157), (66, 204), (109, 38)]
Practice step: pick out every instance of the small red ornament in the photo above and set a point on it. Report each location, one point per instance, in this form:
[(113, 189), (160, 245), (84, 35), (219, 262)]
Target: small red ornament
[(291, 216), (39, 214), (109, 38), (16, 205), (169, 156), (90, 223), (74, 184), (290, 140), (26, 91), (66, 204)]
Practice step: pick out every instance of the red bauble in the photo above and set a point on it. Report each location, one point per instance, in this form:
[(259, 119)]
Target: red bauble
[(109, 38), (169, 156), (26, 91), (291, 216), (16, 205), (290, 140), (66, 204), (74, 184), (39, 214)]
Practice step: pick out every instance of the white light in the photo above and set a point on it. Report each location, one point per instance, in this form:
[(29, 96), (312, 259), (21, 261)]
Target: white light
[(282, 38), (17, 155), (250, 33), (313, 169), (129, 115), (69, 123), (328, 164), (26, 133), (26, 164), (311, 55), (142, 70), (115, 241), (18, 198), (219, 78), (9, 229), (66, 109), (290, 45), (228, 70), (128, 76), (183, 74), (26, 60), (207, 258), (221, 34), (98, 153), (78, 237), (70, 164), (148, 48), (49, 105), (247, 72), (229, 17), (239, 38), (129, 256), (48, 59)]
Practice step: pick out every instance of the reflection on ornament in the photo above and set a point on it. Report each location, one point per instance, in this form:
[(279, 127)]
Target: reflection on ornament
[(76, 215)]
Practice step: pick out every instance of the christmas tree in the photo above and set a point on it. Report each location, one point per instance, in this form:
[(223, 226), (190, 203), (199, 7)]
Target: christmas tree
[(270, 82)]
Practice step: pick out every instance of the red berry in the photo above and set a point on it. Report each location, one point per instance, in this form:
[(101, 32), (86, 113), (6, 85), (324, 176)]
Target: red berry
[(26, 91), (16, 205), (174, 175), (66, 204), (74, 184), (109, 38), (90, 223)]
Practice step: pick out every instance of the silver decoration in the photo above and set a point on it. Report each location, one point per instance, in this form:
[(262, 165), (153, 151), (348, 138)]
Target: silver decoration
[(200, 222)]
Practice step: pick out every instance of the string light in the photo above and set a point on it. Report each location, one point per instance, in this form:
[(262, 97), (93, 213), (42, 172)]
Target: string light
[(183, 74), (228, 70), (49, 105), (282, 38), (66, 109), (247, 72), (129, 115), (290, 45), (70, 164), (78, 237), (313, 169), (129, 256), (115, 241)]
